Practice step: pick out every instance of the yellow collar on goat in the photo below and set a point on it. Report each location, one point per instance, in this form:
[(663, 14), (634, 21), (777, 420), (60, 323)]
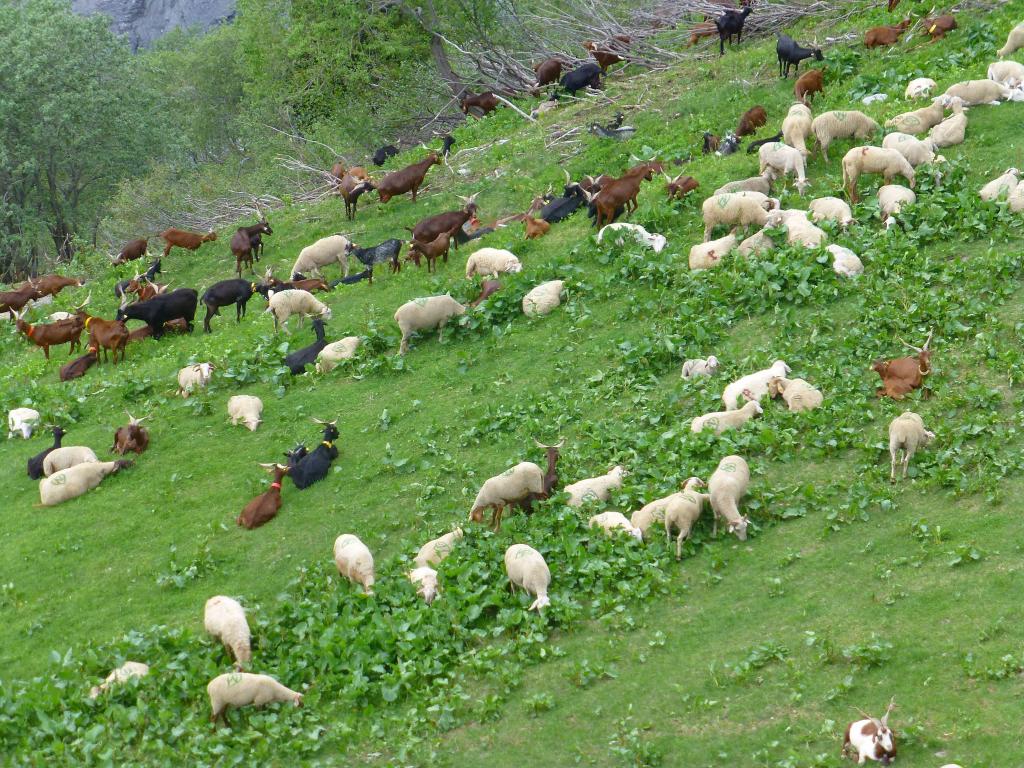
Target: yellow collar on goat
[(328, 443)]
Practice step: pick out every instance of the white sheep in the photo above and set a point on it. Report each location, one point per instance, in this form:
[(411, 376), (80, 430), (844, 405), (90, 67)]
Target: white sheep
[(1009, 73), (490, 262), (516, 485), (975, 92), (797, 127), (720, 421), (595, 488), (66, 457), (754, 386), (293, 301), (247, 409), (736, 209), (1001, 186), (831, 209), (53, 317), (1014, 41), (193, 377), (610, 522), (433, 552), (526, 568), (695, 368), (726, 487), (759, 242), (543, 298), (845, 262), (798, 394), (760, 184), (779, 160), (846, 124), (72, 482), (655, 242), (242, 689), (428, 312), (799, 229), (326, 250), (919, 88), (861, 160), (1016, 199), (354, 561), (424, 578), (22, 421), (343, 349), (224, 620), (891, 199), (654, 511), (681, 513), (906, 434), (709, 255), (123, 673), (919, 120), (916, 151)]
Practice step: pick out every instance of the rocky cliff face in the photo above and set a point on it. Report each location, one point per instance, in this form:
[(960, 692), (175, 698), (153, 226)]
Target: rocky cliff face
[(146, 20)]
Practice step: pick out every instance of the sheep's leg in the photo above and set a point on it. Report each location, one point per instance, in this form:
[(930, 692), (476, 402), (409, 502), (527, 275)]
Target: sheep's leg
[(679, 545), (440, 331), (714, 523), (892, 471), (906, 461)]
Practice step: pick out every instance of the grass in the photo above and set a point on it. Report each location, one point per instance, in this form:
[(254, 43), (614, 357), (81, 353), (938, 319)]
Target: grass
[(704, 662)]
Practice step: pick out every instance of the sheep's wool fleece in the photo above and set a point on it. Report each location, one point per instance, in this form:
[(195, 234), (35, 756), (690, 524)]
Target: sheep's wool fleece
[(543, 298)]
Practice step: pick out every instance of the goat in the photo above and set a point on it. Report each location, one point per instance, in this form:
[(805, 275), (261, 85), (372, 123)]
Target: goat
[(808, 84), (381, 155), (680, 186), (751, 120), (871, 738), (299, 359), (246, 247), (35, 464), (224, 294), (446, 144), (133, 249), (264, 507), (132, 286), (298, 282), (182, 238), (548, 71), (103, 334), (560, 208), (430, 251), (486, 102), (18, 298), (702, 30), (306, 468), (47, 335), (145, 291), (711, 143), (731, 23), (756, 145), (487, 288), (427, 230), (77, 367), (791, 54), (179, 303), (51, 285), (351, 279), (535, 227), (603, 56), (879, 36), (587, 75), (378, 254), (350, 188), (904, 374), (938, 27), (620, 193), (407, 179), (132, 438)]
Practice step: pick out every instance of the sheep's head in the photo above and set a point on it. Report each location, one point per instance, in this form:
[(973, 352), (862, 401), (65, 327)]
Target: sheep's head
[(297, 700), (775, 386), (542, 601), (693, 482), (740, 528)]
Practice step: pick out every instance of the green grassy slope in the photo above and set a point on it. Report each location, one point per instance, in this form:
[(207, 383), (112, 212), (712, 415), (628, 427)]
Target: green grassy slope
[(714, 652)]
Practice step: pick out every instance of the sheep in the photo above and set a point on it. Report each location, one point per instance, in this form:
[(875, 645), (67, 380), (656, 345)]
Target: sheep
[(759, 242), (1008, 73), (1001, 186), (246, 409), (335, 352), (754, 385), (850, 124), (123, 673), (906, 434), (695, 368), (1014, 41), (799, 229), (192, 377), (516, 485), (720, 421), (526, 568), (708, 255), (681, 513), (726, 487), (891, 199), (433, 552), (327, 250), (64, 458), (654, 511), (975, 92), (241, 689), (72, 482), (916, 151), (293, 301), (920, 120), (778, 160), (845, 262), (1016, 199), (423, 313), (738, 209), (831, 209), (797, 127), (887, 162), (424, 578), (354, 561), (595, 488), (224, 619), (610, 522), (918, 88), (655, 242), (543, 298), (23, 421), (489, 262), (761, 184), (798, 394)]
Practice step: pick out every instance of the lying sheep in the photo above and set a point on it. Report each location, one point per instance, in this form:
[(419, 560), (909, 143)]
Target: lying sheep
[(354, 561), (709, 255), (726, 487), (433, 552), (906, 434), (123, 673), (847, 124), (831, 209), (421, 314), (759, 242), (242, 689), (343, 349), (526, 568), (975, 92), (1016, 199), (918, 88), (798, 394), (193, 377), (891, 199), (283, 304), (543, 298), (22, 421), (845, 262), (224, 620), (761, 184), (952, 130), (720, 421), (1008, 73), (73, 482), (489, 262), (595, 488), (654, 511), (327, 250), (693, 369), (655, 242), (1014, 41), (246, 409), (753, 386), (797, 127), (861, 160), (610, 522), (799, 229), (66, 457), (920, 120), (424, 578), (681, 513), (779, 160), (736, 209), (1001, 186)]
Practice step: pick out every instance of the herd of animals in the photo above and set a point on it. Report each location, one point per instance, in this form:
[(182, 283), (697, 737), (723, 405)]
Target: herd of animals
[(66, 472)]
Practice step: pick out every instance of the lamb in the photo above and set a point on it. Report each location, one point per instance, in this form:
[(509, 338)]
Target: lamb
[(799, 229), (1008, 73), (919, 87), (354, 561), (283, 304), (726, 487), (693, 369), (720, 421), (192, 377), (754, 385), (952, 130), (887, 162), (797, 127), (975, 92), (851, 124), (1014, 41), (759, 242), (22, 420), (761, 184), (595, 488), (831, 209), (655, 242), (916, 151), (327, 250), (798, 394), (1000, 186), (610, 522), (242, 689), (123, 673), (736, 209), (906, 434), (74, 481), (845, 262), (433, 552), (920, 120), (489, 262), (67, 457), (543, 298), (526, 568), (681, 513), (423, 313), (778, 160), (709, 255), (891, 199), (224, 619), (247, 409), (424, 579), (343, 349), (654, 511)]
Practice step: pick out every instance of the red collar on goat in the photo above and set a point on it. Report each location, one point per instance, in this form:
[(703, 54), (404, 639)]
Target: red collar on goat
[(276, 486)]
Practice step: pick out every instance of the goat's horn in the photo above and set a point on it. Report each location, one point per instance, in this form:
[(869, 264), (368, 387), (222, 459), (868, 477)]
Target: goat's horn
[(568, 178), (916, 349), (928, 340), (885, 717), (267, 467), (560, 443)]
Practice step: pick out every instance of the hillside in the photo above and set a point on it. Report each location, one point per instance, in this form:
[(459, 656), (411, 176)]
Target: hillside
[(849, 591)]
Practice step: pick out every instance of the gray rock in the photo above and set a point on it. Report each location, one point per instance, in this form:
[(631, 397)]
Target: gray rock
[(143, 21)]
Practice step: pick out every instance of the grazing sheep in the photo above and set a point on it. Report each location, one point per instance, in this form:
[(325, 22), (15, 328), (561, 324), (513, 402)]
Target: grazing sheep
[(72, 482), (423, 313), (891, 199), (329, 357), (327, 250), (595, 488), (778, 160), (1008, 73), (526, 568), (64, 458), (759, 242), (736, 209), (720, 421), (224, 619), (906, 434), (845, 262), (681, 513), (610, 522), (709, 255), (695, 368), (1000, 186), (1014, 41), (916, 151), (920, 120), (433, 552), (655, 242), (849, 124), (424, 579), (123, 673), (543, 298), (516, 485), (293, 301), (1016, 199), (797, 127), (246, 409), (490, 262), (799, 229), (242, 689), (798, 394), (975, 92), (22, 420), (654, 511), (354, 561), (831, 209), (952, 130), (861, 160), (753, 386), (761, 184), (726, 487), (192, 377), (919, 88)]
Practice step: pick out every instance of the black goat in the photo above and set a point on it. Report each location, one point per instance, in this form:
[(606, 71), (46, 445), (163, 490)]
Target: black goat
[(756, 145), (731, 23), (224, 294), (462, 236), (382, 154), (581, 77), (35, 464), (561, 208), (308, 467), (298, 360), (351, 279), (378, 254), (791, 54), (729, 145), (447, 146), (179, 303)]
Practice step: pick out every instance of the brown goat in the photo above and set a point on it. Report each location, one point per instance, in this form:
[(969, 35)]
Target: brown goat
[(808, 84), (429, 228), (621, 193), (264, 508), (680, 186), (147, 290), (879, 36), (311, 284), (439, 246), (51, 285), (904, 374), (77, 367), (133, 249), (702, 30), (132, 438), (938, 27), (17, 299), (486, 102), (406, 179), (487, 289), (350, 188), (535, 227), (103, 334), (751, 120), (548, 71), (604, 57), (711, 141), (182, 238), (48, 335)]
